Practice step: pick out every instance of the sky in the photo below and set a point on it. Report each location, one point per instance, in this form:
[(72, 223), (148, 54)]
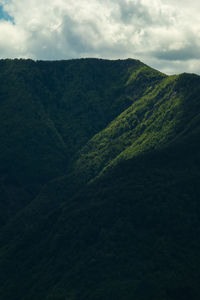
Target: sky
[(164, 34)]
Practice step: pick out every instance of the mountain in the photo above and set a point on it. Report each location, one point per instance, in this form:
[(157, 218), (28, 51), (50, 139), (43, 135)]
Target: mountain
[(49, 111), (100, 170)]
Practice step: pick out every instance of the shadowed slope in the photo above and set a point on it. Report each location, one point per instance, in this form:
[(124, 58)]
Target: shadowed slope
[(49, 110), (123, 223), (138, 225)]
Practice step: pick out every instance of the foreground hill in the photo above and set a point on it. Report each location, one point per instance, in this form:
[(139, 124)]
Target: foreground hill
[(50, 110), (100, 179)]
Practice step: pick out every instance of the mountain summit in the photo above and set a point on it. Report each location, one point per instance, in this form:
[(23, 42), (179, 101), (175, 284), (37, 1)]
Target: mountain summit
[(99, 181)]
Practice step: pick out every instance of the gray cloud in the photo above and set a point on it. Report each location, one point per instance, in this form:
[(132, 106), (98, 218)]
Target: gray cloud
[(185, 54), (134, 12)]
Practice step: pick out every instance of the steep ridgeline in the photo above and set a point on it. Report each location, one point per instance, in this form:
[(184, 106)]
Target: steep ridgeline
[(50, 110), (100, 178), (168, 112)]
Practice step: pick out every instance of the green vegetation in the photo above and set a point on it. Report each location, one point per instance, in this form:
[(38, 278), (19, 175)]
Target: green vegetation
[(48, 112), (99, 181)]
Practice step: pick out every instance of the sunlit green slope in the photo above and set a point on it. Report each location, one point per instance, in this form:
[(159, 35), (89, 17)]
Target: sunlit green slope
[(164, 114)]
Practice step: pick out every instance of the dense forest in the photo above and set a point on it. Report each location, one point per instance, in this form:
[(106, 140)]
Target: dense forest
[(99, 181)]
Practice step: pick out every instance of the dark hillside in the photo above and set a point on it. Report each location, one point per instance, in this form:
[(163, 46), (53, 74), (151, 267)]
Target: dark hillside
[(137, 226), (49, 110), (100, 178)]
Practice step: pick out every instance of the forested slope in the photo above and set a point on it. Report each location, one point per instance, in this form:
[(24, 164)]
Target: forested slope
[(112, 210), (49, 110)]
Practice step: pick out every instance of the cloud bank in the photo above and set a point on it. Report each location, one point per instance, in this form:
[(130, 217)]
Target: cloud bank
[(163, 33)]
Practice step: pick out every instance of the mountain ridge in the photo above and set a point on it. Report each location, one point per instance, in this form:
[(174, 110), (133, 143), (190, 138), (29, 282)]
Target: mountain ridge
[(35, 98), (104, 156)]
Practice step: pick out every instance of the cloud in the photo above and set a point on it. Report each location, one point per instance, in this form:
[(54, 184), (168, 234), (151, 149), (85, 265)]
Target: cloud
[(12, 39), (163, 33)]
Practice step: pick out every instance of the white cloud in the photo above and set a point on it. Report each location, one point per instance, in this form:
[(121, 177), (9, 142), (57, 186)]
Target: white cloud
[(12, 39), (163, 33)]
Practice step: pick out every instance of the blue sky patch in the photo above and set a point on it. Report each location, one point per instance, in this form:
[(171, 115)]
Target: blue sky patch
[(4, 15)]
